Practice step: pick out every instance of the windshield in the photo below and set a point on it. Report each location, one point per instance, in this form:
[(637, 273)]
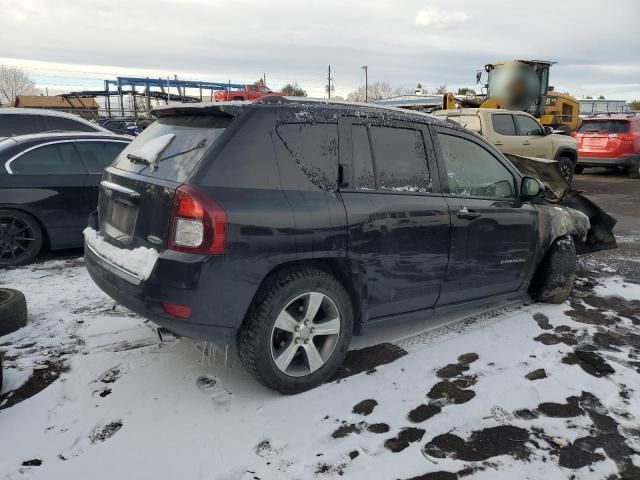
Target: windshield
[(171, 147)]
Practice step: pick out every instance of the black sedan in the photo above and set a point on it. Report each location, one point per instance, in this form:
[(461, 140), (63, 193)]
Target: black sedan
[(48, 187)]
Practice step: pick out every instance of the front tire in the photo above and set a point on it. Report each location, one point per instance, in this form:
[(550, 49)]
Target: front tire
[(20, 238), (565, 165), (553, 281), (297, 331)]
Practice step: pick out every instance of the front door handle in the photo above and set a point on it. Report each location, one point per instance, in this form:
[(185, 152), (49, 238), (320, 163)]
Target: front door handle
[(499, 143), (466, 213), (526, 142)]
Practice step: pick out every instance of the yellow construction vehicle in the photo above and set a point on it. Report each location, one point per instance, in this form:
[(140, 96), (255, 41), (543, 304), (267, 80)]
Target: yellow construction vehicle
[(522, 85)]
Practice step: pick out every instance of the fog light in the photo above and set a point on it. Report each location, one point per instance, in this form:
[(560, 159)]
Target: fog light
[(175, 310)]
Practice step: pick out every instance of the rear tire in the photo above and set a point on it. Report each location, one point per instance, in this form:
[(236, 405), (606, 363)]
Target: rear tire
[(634, 172), (565, 165), (20, 238), (553, 281), (13, 310), (275, 344)]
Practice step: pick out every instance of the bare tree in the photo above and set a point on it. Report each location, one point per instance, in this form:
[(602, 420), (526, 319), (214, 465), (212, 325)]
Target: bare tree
[(14, 82), (377, 91)]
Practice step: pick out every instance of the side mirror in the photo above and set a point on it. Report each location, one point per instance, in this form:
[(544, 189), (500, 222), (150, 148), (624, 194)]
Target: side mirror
[(531, 188), (548, 130)]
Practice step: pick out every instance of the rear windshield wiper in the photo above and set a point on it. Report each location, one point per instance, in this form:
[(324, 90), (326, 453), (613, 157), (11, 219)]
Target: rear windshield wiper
[(154, 165)]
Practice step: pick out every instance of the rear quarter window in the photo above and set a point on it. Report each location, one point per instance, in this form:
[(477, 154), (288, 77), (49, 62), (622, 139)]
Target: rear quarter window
[(193, 136)]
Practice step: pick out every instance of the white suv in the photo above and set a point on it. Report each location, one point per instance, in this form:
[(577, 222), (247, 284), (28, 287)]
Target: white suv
[(517, 133)]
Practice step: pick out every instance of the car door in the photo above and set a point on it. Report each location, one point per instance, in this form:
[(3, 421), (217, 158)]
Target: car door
[(504, 136), (397, 219), (532, 137), (96, 155), (55, 175), (493, 233)]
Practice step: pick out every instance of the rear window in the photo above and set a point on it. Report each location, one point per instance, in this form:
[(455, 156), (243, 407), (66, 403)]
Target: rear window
[(192, 137), (16, 124), (604, 126), (67, 125)]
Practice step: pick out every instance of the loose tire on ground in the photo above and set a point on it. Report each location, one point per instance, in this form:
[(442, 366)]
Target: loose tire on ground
[(257, 338), (553, 281), (20, 238), (565, 165), (13, 310)]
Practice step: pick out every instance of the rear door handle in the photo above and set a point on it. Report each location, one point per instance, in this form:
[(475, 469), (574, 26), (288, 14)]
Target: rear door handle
[(497, 143), (526, 142), (466, 213)]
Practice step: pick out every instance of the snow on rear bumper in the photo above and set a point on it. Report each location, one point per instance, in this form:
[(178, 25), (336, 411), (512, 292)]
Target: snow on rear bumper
[(134, 266)]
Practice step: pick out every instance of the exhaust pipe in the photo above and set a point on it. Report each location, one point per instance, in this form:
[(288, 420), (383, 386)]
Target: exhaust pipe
[(166, 336)]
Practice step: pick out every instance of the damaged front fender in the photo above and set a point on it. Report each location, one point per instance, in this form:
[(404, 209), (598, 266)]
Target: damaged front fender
[(564, 211)]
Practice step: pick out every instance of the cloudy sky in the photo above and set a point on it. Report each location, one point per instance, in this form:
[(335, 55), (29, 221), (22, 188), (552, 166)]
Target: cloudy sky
[(74, 44)]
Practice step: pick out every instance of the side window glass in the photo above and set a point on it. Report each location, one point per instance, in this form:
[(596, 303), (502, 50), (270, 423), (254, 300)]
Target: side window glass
[(67, 125), (473, 171), (314, 147), (528, 126), (503, 124), (56, 159), (362, 161), (97, 155), (400, 160)]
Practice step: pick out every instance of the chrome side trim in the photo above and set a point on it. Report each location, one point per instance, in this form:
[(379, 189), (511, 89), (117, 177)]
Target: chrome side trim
[(117, 270), (119, 188)]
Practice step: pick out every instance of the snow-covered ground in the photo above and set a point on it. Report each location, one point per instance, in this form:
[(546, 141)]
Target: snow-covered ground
[(533, 391)]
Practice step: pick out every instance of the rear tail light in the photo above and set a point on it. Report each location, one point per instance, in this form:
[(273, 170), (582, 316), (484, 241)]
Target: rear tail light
[(197, 223), (175, 310), (626, 137)]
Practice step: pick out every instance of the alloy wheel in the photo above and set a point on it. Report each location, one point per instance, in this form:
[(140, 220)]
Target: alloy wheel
[(305, 334), (16, 239)]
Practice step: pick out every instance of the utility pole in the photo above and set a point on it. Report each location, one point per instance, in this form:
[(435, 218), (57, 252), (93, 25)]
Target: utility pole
[(329, 84), (366, 82)]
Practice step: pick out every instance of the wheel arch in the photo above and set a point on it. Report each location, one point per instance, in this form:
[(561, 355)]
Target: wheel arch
[(347, 272), (46, 243), (567, 152)]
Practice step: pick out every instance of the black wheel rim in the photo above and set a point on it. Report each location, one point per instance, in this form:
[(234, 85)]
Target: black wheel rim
[(17, 239), (565, 169)]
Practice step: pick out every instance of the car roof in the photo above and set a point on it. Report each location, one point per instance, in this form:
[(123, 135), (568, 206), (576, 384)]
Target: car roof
[(611, 116), (49, 113), (235, 108)]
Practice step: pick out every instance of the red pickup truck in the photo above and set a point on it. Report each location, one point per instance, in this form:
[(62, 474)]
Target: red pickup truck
[(250, 92)]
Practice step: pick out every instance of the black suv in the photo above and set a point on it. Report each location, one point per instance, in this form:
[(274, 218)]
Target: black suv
[(286, 225)]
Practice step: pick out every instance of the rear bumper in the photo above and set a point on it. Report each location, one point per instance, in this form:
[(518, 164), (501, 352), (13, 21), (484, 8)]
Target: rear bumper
[(627, 161), (173, 280)]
